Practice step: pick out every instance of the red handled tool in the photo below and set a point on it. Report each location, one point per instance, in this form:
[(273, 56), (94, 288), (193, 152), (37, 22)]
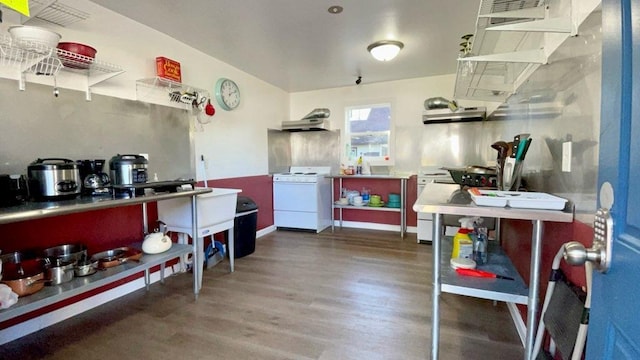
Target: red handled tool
[(480, 273)]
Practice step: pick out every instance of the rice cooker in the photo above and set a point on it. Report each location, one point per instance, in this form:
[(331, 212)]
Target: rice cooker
[(53, 179), (128, 169)]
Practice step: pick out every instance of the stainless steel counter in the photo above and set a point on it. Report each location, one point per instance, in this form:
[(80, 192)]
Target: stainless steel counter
[(38, 210), (446, 199)]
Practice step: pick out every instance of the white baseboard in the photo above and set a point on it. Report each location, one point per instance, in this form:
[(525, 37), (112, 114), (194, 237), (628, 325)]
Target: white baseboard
[(521, 328), (374, 226), (40, 322), (366, 225), (265, 231)]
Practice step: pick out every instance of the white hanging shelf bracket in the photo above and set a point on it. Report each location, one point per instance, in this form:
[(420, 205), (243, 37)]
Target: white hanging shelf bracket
[(537, 12), (527, 56), (93, 79), (559, 25)]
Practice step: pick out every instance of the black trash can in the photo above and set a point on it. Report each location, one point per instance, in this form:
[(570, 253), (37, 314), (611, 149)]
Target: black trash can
[(244, 227)]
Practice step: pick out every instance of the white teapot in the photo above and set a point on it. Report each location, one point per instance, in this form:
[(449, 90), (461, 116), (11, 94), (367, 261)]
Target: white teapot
[(156, 242)]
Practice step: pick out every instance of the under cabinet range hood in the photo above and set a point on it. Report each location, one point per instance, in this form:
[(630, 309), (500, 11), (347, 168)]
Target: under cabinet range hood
[(316, 120), (443, 116), (317, 124)]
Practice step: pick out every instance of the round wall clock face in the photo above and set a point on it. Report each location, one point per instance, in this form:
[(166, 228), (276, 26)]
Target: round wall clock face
[(227, 94)]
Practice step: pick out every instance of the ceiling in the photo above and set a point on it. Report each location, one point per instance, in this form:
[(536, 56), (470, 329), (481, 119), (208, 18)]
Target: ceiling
[(297, 45)]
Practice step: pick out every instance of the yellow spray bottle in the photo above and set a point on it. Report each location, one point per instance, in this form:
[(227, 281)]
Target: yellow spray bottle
[(462, 242)]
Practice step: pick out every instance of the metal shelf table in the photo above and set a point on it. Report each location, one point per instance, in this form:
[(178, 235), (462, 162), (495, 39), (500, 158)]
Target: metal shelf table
[(53, 294), (403, 198), (435, 199)]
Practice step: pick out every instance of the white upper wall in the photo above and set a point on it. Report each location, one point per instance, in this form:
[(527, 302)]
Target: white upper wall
[(407, 101)]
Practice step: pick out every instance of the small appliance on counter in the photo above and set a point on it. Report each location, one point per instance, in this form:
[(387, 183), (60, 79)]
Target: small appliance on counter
[(13, 190), (95, 182), (128, 169), (53, 179)]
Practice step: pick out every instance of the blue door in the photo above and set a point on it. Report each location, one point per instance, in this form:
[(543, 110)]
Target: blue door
[(614, 326)]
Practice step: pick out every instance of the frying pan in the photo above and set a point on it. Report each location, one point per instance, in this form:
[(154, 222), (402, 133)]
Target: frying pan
[(458, 173), (115, 257)]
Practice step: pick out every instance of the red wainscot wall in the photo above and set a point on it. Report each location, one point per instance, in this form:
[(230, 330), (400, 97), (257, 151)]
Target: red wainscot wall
[(258, 188), (516, 241)]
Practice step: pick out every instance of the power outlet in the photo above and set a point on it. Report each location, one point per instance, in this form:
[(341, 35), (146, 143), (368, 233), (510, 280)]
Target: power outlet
[(566, 156)]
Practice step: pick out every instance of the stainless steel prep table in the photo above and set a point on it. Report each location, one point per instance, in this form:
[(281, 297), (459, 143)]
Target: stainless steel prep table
[(435, 199), (403, 198), (54, 294)]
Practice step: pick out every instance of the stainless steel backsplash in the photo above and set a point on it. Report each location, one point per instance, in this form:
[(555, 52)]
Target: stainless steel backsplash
[(304, 148)]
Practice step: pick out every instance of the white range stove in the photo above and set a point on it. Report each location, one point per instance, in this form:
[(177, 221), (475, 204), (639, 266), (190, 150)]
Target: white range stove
[(302, 198)]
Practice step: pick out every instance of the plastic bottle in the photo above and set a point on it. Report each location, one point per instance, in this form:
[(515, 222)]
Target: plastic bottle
[(462, 242), (359, 166), (480, 245)]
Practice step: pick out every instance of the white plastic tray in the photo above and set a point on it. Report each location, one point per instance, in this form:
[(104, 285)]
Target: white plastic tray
[(517, 199)]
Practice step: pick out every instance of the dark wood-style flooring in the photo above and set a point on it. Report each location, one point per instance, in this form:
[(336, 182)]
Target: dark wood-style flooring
[(351, 294)]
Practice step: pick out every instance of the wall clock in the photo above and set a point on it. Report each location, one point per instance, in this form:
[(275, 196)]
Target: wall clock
[(227, 94)]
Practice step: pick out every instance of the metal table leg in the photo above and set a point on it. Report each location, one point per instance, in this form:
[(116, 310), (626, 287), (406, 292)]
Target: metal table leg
[(435, 316), (197, 248), (403, 212), (340, 181), (534, 286), (232, 249), (333, 201), (147, 278)]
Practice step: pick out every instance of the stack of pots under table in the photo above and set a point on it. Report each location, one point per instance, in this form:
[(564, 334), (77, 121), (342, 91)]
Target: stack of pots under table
[(27, 273), (61, 262)]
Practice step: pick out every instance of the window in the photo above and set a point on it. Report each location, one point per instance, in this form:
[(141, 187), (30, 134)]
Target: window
[(368, 133)]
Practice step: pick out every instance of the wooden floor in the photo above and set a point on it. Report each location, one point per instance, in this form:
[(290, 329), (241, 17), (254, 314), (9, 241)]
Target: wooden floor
[(351, 294)]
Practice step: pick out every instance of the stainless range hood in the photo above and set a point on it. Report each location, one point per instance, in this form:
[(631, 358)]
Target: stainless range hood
[(316, 124), (316, 120), (442, 116)]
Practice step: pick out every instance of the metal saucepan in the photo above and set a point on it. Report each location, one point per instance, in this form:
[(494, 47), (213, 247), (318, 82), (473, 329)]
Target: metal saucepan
[(24, 278), (115, 257), (16, 257), (86, 267), (66, 253), (58, 271)]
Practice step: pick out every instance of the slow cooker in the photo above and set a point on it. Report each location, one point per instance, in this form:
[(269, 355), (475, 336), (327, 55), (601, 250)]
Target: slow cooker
[(53, 179), (128, 169)]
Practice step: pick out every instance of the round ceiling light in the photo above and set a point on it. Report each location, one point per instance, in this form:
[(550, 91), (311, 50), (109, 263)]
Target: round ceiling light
[(335, 9), (385, 50)]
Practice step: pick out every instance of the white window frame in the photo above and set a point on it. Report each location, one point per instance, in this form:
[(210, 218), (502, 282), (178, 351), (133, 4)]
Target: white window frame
[(348, 157)]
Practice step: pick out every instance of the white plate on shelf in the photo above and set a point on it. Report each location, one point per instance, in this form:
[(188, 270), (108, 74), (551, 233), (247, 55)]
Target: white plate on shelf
[(517, 199), (361, 204)]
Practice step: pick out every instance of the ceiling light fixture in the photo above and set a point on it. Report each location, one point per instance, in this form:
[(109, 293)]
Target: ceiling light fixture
[(335, 9), (385, 50)]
